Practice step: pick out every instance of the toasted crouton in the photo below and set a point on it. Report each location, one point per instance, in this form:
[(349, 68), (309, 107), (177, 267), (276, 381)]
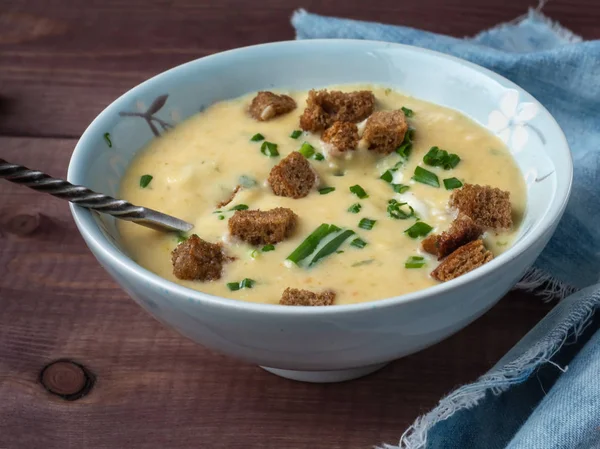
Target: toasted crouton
[(343, 136), (263, 227), (385, 130), (488, 206), (267, 105), (293, 177), (464, 259), (324, 107), (198, 260), (462, 231), (297, 297)]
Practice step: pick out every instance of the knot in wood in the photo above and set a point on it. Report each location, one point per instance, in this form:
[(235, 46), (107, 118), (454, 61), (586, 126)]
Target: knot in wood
[(23, 224), (67, 379)]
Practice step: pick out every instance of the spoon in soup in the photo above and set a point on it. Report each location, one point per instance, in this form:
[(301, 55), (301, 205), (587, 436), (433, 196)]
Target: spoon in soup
[(84, 197)]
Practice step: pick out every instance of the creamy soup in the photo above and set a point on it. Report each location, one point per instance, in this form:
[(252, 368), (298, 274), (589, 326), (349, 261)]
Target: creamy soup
[(198, 164)]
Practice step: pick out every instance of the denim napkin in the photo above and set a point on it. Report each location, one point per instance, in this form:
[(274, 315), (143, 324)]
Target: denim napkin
[(545, 393)]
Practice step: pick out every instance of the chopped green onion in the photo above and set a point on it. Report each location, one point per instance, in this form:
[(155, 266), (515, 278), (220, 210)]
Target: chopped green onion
[(326, 190), (218, 212), (269, 149), (367, 223), (419, 229), (426, 177), (267, 248), (245, 283), (404, 149), (295, 134), (319, 157), (452, 183), (311, 242), (339, 173), (407, 112), (307, 150), (388, 176), (363, 262), (246, 181), (358, 243), (400, 188), (331, 246), (221, 217), (414, 262), (359, 192), (440, 158), (240, 207), (394, 210), (355, 208), (257, 137), (145, 180), (181, 237), (108, 141), (254, 253), (339, 252)]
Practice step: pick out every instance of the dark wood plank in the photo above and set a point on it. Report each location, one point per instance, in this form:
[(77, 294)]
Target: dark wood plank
[(153, 387), (63, 62)]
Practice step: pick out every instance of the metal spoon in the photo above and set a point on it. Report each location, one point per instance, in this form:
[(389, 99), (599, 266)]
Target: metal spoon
[(84, 197)]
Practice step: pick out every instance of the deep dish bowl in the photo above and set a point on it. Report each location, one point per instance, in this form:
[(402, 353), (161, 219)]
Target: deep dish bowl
[(325, 344)]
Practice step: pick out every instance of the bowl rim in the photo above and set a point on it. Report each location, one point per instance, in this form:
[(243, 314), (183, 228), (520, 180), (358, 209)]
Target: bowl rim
[(98, 243)]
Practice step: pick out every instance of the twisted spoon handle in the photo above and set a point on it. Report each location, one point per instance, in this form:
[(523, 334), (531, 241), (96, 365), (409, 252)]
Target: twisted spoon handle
[(84, 197)]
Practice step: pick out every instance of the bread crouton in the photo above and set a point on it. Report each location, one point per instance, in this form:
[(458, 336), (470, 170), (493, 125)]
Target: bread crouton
[(198, 260), (462, 231), (297, 297), (324, 107), (342, 136), (267, 105), (263, 227), (385, 130), (464, 259), (293, 177), (488, 206)]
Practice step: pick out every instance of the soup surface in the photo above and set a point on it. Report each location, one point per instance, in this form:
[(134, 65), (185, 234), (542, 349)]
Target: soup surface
[(198, 164)]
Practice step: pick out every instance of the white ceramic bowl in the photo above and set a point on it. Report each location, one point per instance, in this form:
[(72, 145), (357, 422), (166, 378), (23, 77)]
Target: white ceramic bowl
[(325, 344)]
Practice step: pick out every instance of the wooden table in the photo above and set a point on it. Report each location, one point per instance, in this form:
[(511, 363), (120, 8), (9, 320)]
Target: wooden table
[(144, 386)]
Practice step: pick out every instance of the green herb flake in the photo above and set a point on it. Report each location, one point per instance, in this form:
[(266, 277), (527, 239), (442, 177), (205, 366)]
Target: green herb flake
[(181, 237), (407, 112), (145, 180), (400, 188), (245, 283), (254, 254), (366, 223), (307, 150), (452, 183), (388, 176), (363, 262), (269, 149), (355, 208), (395, 211), (415, 262), (319, 157), (267, 248), (221, 217), (257, 137), (419, 229), (240, 207), (358, 243), (326, 190), (437, 157), (404, 149), (426, 177), (107, 139), (359, 192), (310, 243), (331, 246), (339, 252), (295, 134)]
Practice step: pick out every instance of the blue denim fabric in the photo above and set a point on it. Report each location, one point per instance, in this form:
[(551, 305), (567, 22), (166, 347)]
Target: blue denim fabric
[(526, 401)]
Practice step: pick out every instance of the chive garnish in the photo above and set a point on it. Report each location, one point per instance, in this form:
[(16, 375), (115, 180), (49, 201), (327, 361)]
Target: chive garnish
[(414, 262), (326, 190), (221, 217), (145, 180), (108, 141), (246, 181), (404, 149), (366, 223), (355, 208), (239, 207), (254, 254), (339, 252), (307, 150), (218, 212), (407, 112), (295, 134), (359, 192), (245, 283), (419, 229), (181, 237), (269, 149), (400, 188), (267, 248), (331, 246), (394, 210), (388, 176), (358, 243), (452, 183), (309, 244), (319, 157), (363, 262), (257, 137), (426, 177), (437, 157)]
